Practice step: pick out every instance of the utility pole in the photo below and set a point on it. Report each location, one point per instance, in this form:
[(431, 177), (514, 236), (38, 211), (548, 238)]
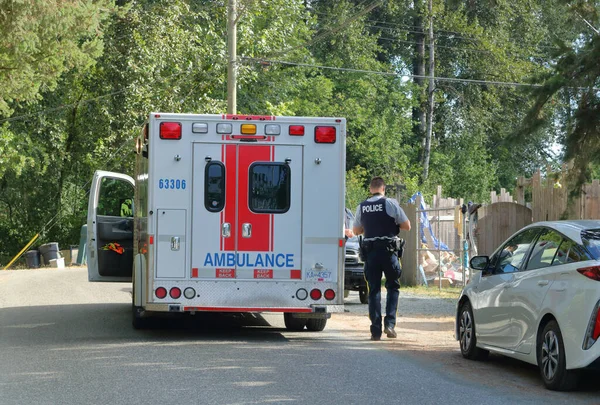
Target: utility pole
[(430, 90), (232, 52), (419, 115)]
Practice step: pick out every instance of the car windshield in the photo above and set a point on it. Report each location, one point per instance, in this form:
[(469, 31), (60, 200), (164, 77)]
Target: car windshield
[(591, 240)]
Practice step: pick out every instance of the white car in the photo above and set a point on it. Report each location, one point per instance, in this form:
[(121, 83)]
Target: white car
[(537, 299)]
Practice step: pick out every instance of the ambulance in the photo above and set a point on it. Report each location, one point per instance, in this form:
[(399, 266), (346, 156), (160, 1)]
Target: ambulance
[(226, 213)]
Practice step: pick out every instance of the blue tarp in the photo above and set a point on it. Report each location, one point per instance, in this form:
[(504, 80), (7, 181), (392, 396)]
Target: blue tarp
[(424, 222)]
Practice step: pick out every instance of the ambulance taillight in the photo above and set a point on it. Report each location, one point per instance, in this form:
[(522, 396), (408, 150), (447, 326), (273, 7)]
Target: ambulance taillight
[(315, 294), (329, 294), (170, 130), (189, 293), (160, 292), (175, 293), (297, 130), (325, 135)]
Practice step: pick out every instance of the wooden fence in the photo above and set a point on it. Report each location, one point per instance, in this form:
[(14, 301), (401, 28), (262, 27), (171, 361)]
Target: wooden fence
[(550, 197), (496, 222)]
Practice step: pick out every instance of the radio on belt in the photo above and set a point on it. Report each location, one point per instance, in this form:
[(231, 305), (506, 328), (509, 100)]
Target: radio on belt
[(220, 215)]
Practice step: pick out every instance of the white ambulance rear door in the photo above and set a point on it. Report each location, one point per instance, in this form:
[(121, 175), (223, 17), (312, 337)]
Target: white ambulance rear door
[(247, 211), (211, 234), (110, 227), (269, 209)]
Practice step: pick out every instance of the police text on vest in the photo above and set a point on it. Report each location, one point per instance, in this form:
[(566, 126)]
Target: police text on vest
[(372, 208)]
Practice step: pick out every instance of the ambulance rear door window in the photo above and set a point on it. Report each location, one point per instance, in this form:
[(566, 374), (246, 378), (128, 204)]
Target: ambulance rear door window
[(214, 186), (269, 190)]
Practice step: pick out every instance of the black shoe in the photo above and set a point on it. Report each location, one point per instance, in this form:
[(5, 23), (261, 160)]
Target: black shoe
[(390, 332), (376, 338)]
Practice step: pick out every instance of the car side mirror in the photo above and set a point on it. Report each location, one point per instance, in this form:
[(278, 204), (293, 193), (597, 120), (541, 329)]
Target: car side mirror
[(480, 263)]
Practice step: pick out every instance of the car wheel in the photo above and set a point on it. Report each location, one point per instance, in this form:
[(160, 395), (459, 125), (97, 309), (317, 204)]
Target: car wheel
[(293, 323), (466, 334), (552, 361), (316, 325), (363, 294)]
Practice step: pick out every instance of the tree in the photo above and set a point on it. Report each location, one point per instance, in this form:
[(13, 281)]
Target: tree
[(573, 81), (42, 39)]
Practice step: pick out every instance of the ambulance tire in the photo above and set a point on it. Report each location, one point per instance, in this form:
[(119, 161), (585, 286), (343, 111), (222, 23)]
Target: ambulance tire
[(137, 321), (316, 325), (292, 323), (363, 294)]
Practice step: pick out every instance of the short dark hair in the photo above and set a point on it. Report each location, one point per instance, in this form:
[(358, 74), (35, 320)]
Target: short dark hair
[(377, 182)]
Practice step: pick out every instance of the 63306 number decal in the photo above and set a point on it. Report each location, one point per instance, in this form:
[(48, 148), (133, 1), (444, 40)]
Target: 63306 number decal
[(171, 184)]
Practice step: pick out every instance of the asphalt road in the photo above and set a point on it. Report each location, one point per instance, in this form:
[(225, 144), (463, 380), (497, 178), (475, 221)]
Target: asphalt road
[(66, 341)]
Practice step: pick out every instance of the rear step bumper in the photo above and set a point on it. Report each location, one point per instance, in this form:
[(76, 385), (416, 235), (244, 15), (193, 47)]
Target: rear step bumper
[(315, 310)]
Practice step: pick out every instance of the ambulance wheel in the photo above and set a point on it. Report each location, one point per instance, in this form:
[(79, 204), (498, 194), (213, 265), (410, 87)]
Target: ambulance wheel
[(363, 295), (137, 320), (293, 323), (316, 325)]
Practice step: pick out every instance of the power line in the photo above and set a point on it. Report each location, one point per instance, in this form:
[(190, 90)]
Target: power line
[(440, 79), (456, 36), (457, 48)]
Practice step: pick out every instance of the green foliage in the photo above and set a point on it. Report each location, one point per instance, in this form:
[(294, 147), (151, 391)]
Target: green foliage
[(356, 187), (42, 39), (572, 84)]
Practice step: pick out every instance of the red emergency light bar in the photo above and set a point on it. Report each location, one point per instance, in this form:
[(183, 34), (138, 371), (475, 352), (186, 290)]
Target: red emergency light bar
[(170, 130)]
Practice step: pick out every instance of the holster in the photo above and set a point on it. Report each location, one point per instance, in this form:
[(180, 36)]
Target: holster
[(362, 250), (400, 247)]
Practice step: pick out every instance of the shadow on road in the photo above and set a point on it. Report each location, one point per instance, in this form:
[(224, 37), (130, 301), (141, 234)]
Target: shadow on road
[(57, 324)]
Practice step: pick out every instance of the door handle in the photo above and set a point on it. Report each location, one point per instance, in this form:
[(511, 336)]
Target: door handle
[(246, 230), (175, 243), (226, 230), (542, 283)]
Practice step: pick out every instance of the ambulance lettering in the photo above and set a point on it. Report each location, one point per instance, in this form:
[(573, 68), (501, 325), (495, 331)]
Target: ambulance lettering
[(372, 208), (257, 260)]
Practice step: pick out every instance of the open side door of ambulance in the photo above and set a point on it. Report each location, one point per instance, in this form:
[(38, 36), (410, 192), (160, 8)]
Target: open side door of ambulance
[(110, 227)]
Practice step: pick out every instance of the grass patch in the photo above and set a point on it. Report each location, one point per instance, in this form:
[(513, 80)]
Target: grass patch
[(450, 293)]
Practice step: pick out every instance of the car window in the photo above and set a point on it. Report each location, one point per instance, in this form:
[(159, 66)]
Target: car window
[(544, 250), (512, 255), (570, 252), (591, 240)]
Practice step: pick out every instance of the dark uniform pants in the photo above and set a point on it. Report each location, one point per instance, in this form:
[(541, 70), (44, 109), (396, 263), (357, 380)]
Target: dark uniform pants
[(381, 261)]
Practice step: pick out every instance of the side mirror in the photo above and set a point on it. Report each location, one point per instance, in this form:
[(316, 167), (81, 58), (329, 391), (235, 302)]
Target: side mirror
[(480, 262)]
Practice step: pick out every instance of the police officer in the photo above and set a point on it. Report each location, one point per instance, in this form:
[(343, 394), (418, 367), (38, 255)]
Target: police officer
[(380, 219)]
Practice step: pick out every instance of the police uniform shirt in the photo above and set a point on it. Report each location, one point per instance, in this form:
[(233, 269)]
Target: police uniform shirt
[(392, 209), (348, 219)]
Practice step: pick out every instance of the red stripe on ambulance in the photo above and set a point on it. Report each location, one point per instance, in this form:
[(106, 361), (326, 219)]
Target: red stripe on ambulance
[(231, 160), (260, 239), (250, 309)]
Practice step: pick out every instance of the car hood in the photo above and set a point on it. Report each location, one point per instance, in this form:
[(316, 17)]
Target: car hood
[(352, 243)]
